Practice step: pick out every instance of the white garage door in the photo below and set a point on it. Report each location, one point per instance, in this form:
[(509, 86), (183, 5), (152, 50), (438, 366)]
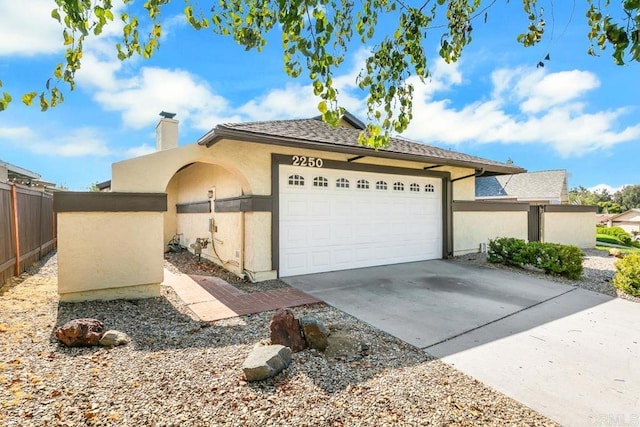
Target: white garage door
[(336, 220)]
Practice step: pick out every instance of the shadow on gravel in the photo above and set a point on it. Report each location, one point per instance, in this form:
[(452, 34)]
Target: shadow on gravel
[(155, 324)]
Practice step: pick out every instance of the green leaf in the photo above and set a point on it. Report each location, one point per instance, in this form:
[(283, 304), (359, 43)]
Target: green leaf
[(27, 98), (56, 15), (322, 107)]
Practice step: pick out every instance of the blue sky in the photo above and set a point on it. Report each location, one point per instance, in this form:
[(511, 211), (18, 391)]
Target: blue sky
[(577, 113)]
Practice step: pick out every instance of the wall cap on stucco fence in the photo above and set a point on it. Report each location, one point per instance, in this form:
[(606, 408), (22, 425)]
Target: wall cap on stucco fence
[(570, 208), (71, 201), (482, 206)]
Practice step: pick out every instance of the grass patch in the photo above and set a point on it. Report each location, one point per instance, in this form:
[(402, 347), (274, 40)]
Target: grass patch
[(623, 250)]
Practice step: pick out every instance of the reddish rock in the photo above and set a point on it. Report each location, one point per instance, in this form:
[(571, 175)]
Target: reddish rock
[(80, 332), (285, 330)]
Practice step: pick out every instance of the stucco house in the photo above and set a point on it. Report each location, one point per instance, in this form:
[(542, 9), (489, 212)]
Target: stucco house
[(629, 221), (536, 188), (286, 197)]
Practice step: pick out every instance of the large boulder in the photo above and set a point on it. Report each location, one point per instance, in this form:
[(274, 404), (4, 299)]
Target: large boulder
[(80, 332), (315, 332), (265, 362), (113, 338), (285, 330)]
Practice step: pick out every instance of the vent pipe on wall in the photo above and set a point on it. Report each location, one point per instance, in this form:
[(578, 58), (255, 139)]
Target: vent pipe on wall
[(166, 132)]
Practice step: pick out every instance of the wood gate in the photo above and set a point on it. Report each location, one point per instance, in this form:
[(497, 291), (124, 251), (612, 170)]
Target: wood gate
[(535, 215)]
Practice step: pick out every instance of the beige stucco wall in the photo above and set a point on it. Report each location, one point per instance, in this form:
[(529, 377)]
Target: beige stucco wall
[(569, 228), (108, 255), (473, 228), (234, 168)]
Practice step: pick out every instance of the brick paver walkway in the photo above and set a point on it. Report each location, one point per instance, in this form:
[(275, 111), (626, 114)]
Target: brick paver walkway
[(256, 302), (212, 298)]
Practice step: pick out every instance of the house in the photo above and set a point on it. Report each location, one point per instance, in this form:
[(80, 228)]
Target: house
[(286, 197), (536, 188), (104, 185), (629, 221), (10, 173)]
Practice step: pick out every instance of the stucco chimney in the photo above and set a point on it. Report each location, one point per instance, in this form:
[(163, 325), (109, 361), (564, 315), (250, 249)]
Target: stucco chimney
[(166, 132)]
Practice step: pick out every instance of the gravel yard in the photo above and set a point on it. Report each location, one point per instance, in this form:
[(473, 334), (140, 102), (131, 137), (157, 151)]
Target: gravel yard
[(179, 371)]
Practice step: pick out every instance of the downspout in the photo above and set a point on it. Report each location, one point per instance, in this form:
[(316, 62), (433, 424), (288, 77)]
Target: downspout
[(16, 234), (242, 234)]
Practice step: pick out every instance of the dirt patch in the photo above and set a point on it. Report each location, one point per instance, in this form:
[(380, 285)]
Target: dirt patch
[(187, 263)]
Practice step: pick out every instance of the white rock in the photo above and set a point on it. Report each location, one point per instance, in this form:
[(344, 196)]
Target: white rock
[(265, 362), (113, 338)]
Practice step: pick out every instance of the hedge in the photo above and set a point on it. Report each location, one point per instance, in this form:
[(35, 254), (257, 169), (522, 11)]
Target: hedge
[(627, 277), (552, 258)]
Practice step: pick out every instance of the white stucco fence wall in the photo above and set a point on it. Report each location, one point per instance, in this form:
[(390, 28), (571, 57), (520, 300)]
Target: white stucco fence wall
[(472, 228), (569, 227)]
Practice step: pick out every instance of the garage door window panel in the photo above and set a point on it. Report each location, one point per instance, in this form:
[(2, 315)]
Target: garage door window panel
[(342, 183), (320, 182), (381, 185), (362, 184), (296, 180), (398, 186)]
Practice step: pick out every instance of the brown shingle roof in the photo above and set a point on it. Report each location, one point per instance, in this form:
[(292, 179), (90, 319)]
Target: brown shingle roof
[(314, 133)]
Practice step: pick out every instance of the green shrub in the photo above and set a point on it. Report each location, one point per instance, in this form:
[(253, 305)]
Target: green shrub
[(619, 233), (627, 277), (552, 258), (556, 259), (507, 250)]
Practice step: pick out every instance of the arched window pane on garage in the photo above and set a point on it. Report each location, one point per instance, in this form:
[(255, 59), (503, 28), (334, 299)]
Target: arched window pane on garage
[(398, 186), (296, 180), (414, 187), (429, 188), (362, 184), (320, 181), (381, 185), (342, 183)]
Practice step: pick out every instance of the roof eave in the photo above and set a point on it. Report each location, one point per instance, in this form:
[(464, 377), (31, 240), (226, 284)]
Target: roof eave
[(221, 132)]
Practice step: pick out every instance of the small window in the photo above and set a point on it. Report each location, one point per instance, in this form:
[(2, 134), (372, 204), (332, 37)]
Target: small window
[(320, 181), (398, 186), (342, 183), (362, 184), (429, 188), (414, 187), (381, 185), (296, 180)]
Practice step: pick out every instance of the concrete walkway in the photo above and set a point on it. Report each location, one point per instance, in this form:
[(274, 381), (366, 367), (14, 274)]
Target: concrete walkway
[(212, 298), (571, 354)]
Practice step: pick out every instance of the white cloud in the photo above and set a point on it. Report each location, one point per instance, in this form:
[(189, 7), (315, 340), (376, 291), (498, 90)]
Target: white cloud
[(81, 142), (21, 133), (550, 109), (600, 187), (28, 29), (140, 150)]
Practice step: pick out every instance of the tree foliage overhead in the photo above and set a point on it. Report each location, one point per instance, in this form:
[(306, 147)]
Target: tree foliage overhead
[(316, 35)]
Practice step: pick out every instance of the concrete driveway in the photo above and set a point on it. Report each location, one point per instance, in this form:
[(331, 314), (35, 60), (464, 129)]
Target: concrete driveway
[(571, 354)]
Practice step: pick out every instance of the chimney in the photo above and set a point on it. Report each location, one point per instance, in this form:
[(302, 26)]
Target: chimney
[(166, 132)]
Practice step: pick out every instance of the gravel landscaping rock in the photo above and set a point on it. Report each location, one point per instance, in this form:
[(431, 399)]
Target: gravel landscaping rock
[(179, 371), (186, 263), (599, 269)]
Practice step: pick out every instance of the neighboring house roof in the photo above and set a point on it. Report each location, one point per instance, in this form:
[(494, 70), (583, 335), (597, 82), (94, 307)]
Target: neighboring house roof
[(315, 134), (603, 218), (620, 217), (18, 173), (104, 185), (543, 185)]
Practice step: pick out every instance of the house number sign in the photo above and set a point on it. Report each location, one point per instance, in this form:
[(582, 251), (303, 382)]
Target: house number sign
[(310, 162)]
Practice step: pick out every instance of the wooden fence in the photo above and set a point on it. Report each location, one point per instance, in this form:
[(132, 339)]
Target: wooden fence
[(27, 228)]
